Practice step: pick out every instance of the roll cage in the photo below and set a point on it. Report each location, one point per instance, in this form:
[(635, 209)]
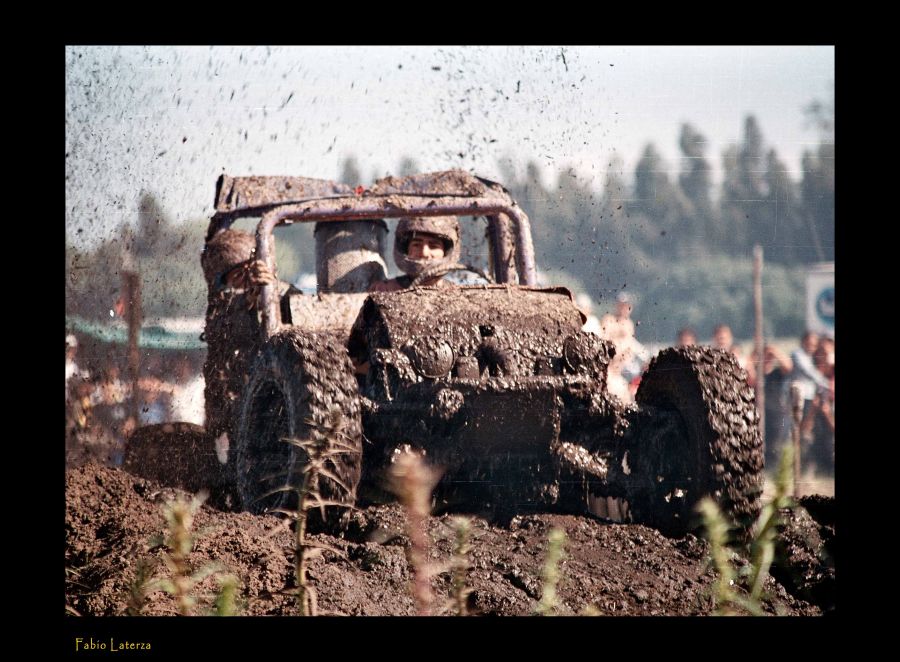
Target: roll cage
[(286, 200)]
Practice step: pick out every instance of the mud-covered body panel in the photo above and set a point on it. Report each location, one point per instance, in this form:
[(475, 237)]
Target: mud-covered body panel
[(497, 382), (507, 424), (328, 313), (525, 323)]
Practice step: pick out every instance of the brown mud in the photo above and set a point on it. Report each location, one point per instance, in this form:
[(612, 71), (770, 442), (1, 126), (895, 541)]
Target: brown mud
[(113, 517)]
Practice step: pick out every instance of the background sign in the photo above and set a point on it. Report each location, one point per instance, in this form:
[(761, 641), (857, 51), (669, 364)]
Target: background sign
[(820, 298)]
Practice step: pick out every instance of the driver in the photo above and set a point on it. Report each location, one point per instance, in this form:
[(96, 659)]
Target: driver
[(423, 244)]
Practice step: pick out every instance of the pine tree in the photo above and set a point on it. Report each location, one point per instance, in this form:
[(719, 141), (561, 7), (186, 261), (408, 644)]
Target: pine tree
[(350, 173), (619, 254), (696, 182), (781, 233), (408, 166), (152, 228), (658, 207), (744, 194), (817, 188)]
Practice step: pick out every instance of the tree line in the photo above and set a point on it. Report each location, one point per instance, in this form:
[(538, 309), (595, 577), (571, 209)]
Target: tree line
[(662, 234), (666, 234)]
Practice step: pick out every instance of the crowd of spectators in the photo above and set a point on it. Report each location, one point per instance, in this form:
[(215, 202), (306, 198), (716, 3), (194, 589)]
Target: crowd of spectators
[(806, 373), (170, 388), (809, 369), (100, 409)]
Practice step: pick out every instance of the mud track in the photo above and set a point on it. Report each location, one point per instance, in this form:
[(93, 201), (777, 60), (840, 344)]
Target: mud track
[(111, 518)]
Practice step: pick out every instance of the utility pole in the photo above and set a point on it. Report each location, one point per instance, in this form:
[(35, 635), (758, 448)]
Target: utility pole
[(131, 296)]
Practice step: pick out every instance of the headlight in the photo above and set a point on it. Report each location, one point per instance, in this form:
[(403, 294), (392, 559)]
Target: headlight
[(430, 356)]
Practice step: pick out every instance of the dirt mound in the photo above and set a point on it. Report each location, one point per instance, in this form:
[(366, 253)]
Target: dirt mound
[(113, 522), (805, 553)]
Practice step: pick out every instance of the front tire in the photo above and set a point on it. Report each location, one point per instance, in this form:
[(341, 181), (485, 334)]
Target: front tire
[(301, 387), (703, 440)]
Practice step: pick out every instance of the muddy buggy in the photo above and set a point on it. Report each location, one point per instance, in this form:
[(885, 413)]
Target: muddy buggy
[(494, 383)]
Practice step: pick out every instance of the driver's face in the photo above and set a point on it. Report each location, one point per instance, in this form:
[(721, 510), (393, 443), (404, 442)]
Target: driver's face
[(425, 248)]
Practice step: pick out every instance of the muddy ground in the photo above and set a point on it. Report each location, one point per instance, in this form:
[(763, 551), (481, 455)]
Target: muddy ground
[(113, 518)]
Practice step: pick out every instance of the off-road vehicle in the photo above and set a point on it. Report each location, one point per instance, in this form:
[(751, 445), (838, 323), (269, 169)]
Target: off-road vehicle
[(495, 383)]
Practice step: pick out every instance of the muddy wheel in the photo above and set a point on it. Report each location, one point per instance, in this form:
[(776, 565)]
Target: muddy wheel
[(699, 437), (301, 388)]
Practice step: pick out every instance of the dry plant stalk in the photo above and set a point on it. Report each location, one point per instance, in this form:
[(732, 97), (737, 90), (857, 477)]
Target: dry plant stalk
[(412, 481), (326, 443), (137, 596), (762, 544), (181, 582), (462, 527), (226, 600), (179, 516), (717, 534), (765, 529)]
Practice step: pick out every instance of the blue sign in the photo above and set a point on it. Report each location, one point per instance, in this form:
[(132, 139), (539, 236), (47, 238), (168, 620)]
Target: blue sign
[(825, 306)]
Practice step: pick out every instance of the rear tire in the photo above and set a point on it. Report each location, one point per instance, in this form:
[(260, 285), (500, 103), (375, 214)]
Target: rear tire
[(704, 440), (301, 387)]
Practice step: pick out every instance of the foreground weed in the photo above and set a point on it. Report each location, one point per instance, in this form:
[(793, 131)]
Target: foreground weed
[(459, 563), (326, 444), (457, 567), (72, 587), (412, 481), (181, 581), (762, 545), (765, 529), (726, 596), (226, 600), (549, 603), (137, 595)]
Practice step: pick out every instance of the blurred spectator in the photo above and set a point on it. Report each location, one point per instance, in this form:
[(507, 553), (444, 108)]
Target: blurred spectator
[(825, 365), (724, 339), (618, 327), (828, 343), (627, 365), (73, 372), (686, 337), (817, 392), (82, 415), (110, 400), (823, 357), (153, 396), (777, 367), (805, 375), (592, 325), (817, 434), (187, 393)]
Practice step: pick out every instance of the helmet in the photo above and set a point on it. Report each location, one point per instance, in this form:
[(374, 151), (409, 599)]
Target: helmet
[(445, 227), (225, 251)]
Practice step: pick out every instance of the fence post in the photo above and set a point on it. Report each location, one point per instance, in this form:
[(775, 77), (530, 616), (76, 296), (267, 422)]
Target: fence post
[(131, 285), (759, 343), (797, 418)]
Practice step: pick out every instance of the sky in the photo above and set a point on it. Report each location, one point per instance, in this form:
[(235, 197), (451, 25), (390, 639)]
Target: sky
[(170, 120)]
